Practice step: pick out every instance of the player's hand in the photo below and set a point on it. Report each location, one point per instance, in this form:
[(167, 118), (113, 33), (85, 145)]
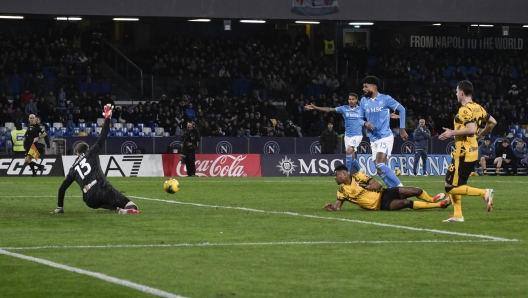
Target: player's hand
[(369, 125), (309, 106), (446, 135), (394, 116), (59, 210), (107, 113), (403, 134), (329, 207)]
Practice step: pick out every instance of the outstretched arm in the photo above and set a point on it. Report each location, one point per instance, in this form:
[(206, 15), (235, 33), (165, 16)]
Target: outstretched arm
[(62, 190), (336, 207), (314, 107), (107, 113)]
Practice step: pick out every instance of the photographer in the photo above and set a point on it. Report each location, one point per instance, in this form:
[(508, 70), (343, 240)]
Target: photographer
[(190, 142)]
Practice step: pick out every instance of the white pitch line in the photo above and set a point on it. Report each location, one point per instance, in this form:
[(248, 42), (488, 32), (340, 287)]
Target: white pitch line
[(333, 218), (101, 276), (209, 244)]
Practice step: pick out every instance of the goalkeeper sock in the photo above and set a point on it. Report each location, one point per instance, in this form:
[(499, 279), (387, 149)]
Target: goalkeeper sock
[(355, 164), (388, 176)]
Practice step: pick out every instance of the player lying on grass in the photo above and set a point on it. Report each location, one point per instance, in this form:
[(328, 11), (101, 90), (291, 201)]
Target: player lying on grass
[(87, 172), (367, 193)]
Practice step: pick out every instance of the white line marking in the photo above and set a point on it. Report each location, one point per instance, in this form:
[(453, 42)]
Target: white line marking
[(333, 218), (101, 276), (208, 244)]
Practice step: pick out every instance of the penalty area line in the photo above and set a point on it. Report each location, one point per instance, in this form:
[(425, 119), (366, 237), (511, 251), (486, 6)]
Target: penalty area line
[(209, 244), (101, 276), (333, 218)]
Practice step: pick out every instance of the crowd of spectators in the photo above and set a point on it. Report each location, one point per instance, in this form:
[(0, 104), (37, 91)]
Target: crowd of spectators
[(253, 86)]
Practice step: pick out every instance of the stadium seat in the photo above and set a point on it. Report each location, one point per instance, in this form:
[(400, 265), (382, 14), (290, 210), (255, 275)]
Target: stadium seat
[(10, 125), (140, 126), (94, 134), (129, 125), (98, 129), (88, 130), (153, 126), (93, 125), (118, 134), (124, 130), (82, 126), (3, 130), (135, 130), (95, 87), (57, 125), (141, 134), (118, 125), (105, 87), (100, 121), (146, 129), (159, 131), (166, 134), (130, 134), (151, 134), (75, 131), (63, 130), (112, 131)]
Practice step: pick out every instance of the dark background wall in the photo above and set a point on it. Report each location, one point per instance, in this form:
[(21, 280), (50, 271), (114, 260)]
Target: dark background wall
[(498, 12)]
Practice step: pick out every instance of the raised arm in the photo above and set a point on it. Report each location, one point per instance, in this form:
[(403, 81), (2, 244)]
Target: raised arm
[(107, 113), (314, 107)]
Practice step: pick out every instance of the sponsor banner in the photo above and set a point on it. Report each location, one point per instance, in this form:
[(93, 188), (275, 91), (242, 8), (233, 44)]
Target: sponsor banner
[(124, 165), (14, 165), (161, 144), (442, 147), (215, 165), (300, 164), (307, 145), (437, 164), (129, 145), (271, 145), (227, 145)]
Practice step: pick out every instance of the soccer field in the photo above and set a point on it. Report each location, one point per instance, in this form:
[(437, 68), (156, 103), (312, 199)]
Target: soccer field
[(258, 237)]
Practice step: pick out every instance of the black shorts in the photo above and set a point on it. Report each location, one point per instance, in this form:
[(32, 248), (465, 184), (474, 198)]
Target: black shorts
[(40, 147), (459, 171), (109, 196), (389, 194)]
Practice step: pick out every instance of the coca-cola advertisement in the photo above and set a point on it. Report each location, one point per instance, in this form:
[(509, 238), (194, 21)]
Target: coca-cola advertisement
[(215, 165)]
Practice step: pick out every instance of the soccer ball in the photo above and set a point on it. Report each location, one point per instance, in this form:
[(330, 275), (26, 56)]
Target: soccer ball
[(397, 172), (171, 186)]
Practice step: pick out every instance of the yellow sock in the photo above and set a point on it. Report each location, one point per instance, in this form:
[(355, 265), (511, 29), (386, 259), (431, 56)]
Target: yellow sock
[(425, 197), (467, 190), (456, 201), (423, 205)]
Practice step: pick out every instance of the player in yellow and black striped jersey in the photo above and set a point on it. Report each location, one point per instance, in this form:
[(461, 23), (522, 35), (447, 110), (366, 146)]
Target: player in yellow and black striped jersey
[(367, 193), (470, 116)]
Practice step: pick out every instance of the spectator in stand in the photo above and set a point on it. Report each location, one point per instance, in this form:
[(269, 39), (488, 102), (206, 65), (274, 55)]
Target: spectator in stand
[(329, 140), (190, 113)]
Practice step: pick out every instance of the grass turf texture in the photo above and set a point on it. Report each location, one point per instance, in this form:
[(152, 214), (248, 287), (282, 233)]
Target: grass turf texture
[(292, 249)]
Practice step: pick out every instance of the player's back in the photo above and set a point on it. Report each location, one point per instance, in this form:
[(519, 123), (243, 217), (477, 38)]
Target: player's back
[(87, 172)]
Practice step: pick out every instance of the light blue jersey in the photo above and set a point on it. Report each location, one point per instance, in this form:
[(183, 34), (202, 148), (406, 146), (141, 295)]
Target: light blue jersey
[(353, 120), (378, 111)]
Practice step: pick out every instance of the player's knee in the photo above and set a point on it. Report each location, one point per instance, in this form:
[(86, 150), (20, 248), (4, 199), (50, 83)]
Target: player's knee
[(448, 188)]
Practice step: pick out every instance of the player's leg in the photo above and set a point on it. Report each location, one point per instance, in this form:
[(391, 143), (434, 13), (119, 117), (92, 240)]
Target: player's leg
[(416, 163), (434, 202), (381, 149), (498, 162), (351, 143), (120, 201), (394, 199)]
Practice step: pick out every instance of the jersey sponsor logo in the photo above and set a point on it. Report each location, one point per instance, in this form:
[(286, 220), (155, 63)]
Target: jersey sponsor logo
[(352, 115), (374, 110), (315, 148), (271, 147), (224, 147), (128, 147), (407, 147), (18, 167), (88, 186)]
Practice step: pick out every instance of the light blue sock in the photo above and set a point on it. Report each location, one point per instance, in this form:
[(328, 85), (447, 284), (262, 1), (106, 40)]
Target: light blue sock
[(356, 165), (348, 162), (388, 176)]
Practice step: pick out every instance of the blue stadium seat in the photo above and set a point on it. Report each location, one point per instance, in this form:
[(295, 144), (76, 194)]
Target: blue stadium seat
[(124, 130), (75, 131), (93, 125), (140, 126), (118, 134), (141, 134), (135, 131), (112, 131), (153, 126), (151, 134), (105, 87), (130, 134), (95, 87), (82, 126)]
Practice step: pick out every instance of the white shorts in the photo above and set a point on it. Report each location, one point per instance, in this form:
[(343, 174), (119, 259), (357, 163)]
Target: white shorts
[(382, 145), (353, 141)]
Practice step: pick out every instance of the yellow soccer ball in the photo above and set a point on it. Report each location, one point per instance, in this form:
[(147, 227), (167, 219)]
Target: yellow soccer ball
[(171, 186), (397, 172)]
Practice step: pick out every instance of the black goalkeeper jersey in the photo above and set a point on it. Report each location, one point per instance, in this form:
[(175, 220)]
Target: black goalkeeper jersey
[(87, 172)]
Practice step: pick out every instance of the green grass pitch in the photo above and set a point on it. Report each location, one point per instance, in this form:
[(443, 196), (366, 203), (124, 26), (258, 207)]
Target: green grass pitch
[(258, 237)]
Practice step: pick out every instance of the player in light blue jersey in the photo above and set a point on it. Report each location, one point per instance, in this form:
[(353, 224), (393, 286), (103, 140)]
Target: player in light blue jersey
[(354, 123), (377, 109)]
